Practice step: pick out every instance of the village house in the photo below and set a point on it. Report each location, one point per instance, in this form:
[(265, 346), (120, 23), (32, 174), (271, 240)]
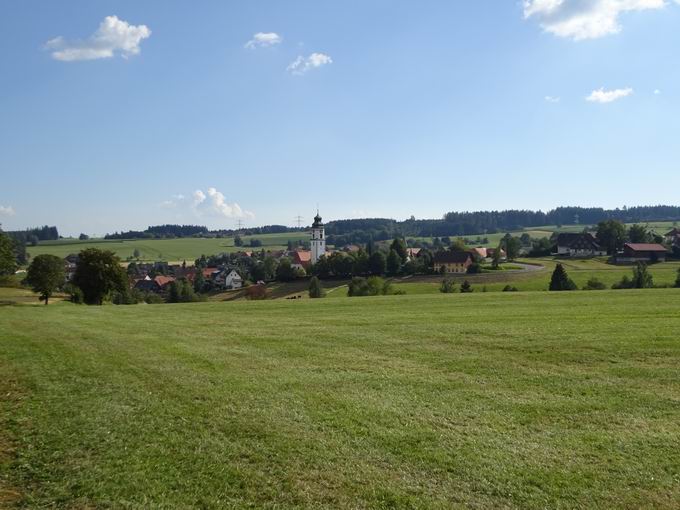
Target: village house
[(158, 284), (479, 253), (578, 245), (673, 237), (301, 259), (452, 262), (228, 279), (412, 253), (641, 252), (491, 251)]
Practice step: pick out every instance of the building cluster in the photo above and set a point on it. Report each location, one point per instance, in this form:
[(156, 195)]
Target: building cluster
[(586, 245), (223, 278)]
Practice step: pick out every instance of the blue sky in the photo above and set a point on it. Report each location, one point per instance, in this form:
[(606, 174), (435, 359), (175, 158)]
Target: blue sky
[(166, 113)]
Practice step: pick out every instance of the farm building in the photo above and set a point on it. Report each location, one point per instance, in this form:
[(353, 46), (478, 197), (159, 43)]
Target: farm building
[(228, 279), (641, 252), (479, 253), (673, 237), (578, 245), (452, 262), (301, 259), (490, 252), (158, 284)]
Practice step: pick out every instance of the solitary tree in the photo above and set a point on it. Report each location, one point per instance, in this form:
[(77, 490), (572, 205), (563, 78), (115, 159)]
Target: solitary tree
[(642, 278), (45, 275), (315, 289), (199, 281), (448, 286), (399, 245), (512, 246), (496, 258), (393, 262), (560, 280), (611, 234), (98, 273), (285, 272), (8, 262), (639, 234), (377, 263)]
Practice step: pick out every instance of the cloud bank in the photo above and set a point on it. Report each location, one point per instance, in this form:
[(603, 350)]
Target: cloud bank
[(211, 203), (7, 210), (264, 40), (584, 19), (301, 65), (608, 96), (113, 37)]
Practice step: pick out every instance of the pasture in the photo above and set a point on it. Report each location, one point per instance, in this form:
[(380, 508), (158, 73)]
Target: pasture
[(523, 400), (172, 250)]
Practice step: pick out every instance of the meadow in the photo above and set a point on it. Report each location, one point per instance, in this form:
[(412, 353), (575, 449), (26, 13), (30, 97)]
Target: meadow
[(522, 400), (171, 250)]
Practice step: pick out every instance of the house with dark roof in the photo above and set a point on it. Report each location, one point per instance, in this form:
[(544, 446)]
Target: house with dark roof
[(641, 252), (158, 284), (452, 262), (673, 237), (578, 245)]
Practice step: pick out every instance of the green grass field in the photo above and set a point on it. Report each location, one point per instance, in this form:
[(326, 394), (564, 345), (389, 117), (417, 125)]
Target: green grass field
[(164, 249), (526, 400), (579, 270)]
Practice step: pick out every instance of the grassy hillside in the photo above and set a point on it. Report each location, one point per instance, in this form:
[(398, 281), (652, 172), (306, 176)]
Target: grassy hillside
[(163, 249), (528, 400)]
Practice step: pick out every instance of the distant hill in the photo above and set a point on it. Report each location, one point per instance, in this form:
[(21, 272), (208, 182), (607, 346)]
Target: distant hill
[(341, 232)]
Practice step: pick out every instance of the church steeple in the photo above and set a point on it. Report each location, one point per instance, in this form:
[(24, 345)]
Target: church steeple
[(318, 240)]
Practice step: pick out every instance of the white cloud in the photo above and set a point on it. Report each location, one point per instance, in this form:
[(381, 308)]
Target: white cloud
[(264, 40), (303, 64), (114, 36), (584, 19), (608, 96), (209, 203), (657, 92), (552, 99), (7, 210)]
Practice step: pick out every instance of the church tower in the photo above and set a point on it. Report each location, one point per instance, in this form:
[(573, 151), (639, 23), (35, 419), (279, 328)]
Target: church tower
[(318, 241)]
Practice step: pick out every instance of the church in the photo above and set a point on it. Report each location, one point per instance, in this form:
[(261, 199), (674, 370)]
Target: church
[(318, 240)]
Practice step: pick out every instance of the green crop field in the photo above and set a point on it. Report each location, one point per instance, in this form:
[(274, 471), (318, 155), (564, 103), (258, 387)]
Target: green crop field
[(523, 400), (164, 249), (579, 270)]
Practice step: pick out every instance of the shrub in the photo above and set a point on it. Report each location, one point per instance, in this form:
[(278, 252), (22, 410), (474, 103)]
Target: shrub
[(625, 283), (315, 289), (373, 286), (466, 287), (75, 294), (257, 292), (509, 288), (594, 284), (448, 286), (474, 268), (642, 279), (677, 280)]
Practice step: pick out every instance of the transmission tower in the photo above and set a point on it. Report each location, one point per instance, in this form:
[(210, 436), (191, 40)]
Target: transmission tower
[(298, 220)]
